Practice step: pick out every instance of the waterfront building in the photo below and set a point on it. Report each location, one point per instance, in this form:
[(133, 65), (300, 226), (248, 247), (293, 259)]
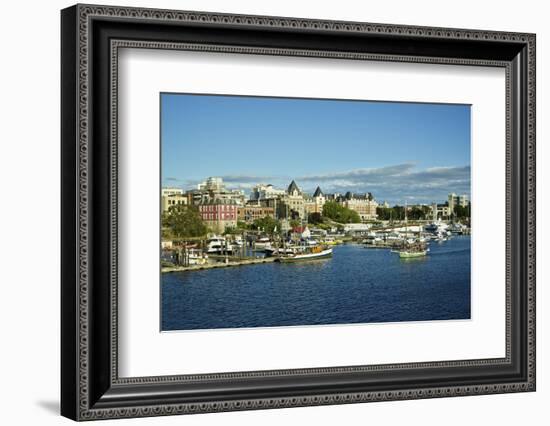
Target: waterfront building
[(457, 200), (165, 192), (357, 228), (315, 204), (363, 204), (172, 197), (175, 199), (291, 205), (300, 233), (440, 211), (218, 214), (250, 212)]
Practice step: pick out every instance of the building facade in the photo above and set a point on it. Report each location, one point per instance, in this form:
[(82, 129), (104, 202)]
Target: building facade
[(263, 191), (165, 192), (315, 204), (363, 204), (218, 214), (457, 200), (168, 201), (250, 213), (440, 211), (292, 204), (214, 188), (170, 197)]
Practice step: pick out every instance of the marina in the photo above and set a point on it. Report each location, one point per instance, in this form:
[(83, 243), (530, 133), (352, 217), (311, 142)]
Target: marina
[(408, 241), (292, 232), (354, 285)]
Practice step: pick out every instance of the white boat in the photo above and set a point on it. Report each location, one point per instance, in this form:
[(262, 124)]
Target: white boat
[(441, 237), (283, 251), (394, 236), (309, 253), (457, 228), (218, 245), (262, 243), (372, 239), (436, 227), (196, 257)]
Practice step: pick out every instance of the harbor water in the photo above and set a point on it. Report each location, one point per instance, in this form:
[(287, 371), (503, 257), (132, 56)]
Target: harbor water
[(356, 285)]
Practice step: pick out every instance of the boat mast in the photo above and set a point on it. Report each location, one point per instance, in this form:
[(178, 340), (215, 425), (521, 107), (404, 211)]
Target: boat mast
[(406, 223)]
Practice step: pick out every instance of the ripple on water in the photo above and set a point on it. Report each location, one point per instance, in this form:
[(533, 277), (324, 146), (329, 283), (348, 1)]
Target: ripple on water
[(356, 285)]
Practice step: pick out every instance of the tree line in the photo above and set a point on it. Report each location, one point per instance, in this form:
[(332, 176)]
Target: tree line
[(418, 213)]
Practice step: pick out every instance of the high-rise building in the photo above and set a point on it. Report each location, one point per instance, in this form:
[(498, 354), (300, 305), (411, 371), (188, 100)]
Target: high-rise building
[(212, 184), (214, 187), (457, 200), (262, 191)]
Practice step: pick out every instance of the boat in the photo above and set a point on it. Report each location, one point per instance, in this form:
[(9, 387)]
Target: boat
[(332, 241), (218, 245), (457, 228), (196, 257), (309, 253), (436, 227), (440, 237), (411, 247), (413, 250), (238, 241), (276, 251), (262, 243), (432, 227)]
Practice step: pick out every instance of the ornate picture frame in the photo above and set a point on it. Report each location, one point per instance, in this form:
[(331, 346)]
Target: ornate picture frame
[(90, 39)]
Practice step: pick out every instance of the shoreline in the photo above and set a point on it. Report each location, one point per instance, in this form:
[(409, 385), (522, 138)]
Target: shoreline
[(244, 262), (261, 260)]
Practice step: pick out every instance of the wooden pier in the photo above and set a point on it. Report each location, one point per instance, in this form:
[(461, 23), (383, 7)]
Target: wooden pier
[(220, 264)]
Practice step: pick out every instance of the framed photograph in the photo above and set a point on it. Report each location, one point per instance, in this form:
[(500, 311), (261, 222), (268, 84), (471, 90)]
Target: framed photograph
[(263, 212)]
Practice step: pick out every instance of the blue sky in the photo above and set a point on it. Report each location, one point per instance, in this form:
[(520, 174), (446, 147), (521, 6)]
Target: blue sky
[(398, 151)]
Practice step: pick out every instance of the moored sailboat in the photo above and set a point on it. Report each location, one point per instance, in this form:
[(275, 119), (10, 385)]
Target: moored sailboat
[(308, 253)]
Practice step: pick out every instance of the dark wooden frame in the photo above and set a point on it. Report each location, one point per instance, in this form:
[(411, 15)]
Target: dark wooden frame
[(90, 386)]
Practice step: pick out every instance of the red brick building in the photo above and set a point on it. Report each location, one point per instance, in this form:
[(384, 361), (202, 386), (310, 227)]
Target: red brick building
[(218, 214)]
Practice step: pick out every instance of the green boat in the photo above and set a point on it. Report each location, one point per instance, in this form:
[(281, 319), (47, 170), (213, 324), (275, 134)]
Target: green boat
[(411, 250), (409, 254)]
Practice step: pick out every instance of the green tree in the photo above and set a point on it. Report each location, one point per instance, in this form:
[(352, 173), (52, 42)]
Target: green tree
[(294, 223), (231, 230), (315, 218), (415, 213), (398, 212), (266, 224), (462, 212), (242, 225), (339, 213), (184, 221), (384, 213)]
